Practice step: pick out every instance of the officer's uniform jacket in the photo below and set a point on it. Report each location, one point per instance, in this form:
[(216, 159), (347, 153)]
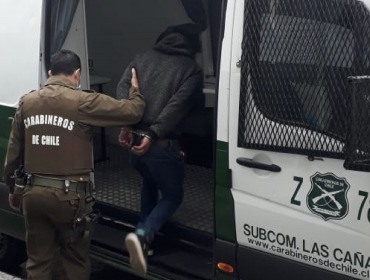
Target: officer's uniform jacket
[(52, 129)]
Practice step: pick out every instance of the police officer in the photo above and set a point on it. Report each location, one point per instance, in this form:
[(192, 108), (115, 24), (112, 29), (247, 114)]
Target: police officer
[(51, 136)]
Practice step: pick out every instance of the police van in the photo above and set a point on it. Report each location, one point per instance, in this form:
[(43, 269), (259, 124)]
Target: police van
[(277, 161)]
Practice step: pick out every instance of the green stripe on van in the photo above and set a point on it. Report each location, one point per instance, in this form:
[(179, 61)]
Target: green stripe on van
[(5, 113), (220, 276), (224, 202)]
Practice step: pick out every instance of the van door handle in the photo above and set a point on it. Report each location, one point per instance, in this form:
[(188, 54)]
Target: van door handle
[(253, 164), (10, 119)]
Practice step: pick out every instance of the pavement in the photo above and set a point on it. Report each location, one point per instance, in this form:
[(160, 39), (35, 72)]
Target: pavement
[(99, 272), (4, 276)]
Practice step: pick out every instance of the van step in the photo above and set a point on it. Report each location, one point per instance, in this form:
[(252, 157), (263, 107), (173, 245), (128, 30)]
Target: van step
[(126, 220), (168, 259), (118, 184)]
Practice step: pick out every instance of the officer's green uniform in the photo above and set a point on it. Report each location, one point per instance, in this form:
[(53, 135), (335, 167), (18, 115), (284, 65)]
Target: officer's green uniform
[(52, 134)]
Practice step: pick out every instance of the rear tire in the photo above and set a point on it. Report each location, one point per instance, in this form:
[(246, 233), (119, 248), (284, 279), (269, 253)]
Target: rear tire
[(12, 253)]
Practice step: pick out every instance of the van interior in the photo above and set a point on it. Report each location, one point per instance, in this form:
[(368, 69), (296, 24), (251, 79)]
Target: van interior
[(116, 30)]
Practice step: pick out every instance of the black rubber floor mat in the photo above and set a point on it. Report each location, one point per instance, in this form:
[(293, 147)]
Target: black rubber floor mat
[(119, 184)]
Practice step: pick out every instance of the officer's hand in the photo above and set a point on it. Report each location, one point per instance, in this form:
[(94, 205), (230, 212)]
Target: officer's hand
[(134, 81), (125, 137), (12, 202), (142, 148)]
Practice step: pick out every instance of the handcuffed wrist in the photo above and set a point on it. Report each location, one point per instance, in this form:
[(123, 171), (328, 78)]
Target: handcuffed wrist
[(150, 138), (151, 135)]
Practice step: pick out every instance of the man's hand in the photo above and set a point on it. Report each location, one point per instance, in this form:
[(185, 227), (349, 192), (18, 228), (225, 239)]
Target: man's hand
[(12, 202), (142, 148), (134, 81), (125, 137)]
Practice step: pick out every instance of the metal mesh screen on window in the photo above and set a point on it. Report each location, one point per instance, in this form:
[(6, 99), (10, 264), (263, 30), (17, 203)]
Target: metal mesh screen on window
[(297, 56), (358, 137)]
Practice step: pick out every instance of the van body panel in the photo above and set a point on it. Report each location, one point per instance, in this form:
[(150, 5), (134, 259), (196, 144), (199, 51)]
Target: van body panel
[(6, 115)]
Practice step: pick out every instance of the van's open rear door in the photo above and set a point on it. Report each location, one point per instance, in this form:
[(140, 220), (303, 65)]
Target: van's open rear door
[(20, 32)]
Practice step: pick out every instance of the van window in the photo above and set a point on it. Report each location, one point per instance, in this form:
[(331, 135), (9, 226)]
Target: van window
[(296, 58)]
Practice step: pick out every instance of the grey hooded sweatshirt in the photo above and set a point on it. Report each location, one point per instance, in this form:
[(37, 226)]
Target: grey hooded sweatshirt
[(171, 82)]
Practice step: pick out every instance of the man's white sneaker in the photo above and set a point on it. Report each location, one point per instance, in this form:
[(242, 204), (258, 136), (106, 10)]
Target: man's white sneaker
[(135, 248)]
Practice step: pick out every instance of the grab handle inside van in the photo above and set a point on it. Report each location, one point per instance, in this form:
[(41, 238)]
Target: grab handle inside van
[(253, 164)]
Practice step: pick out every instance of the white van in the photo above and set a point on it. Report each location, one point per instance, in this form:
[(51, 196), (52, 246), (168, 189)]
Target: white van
[(277, 182)]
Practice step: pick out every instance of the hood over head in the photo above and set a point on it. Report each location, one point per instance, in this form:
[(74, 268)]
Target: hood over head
[(181, 39)]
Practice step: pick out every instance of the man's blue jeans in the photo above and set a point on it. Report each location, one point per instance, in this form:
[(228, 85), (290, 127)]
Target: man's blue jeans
[(162, 169)]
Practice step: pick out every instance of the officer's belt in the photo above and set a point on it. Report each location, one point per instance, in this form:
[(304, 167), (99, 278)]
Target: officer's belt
[(56, 183)]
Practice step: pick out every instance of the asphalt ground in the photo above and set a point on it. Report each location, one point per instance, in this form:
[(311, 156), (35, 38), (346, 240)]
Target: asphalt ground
[(4, 276), (99, 272)]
